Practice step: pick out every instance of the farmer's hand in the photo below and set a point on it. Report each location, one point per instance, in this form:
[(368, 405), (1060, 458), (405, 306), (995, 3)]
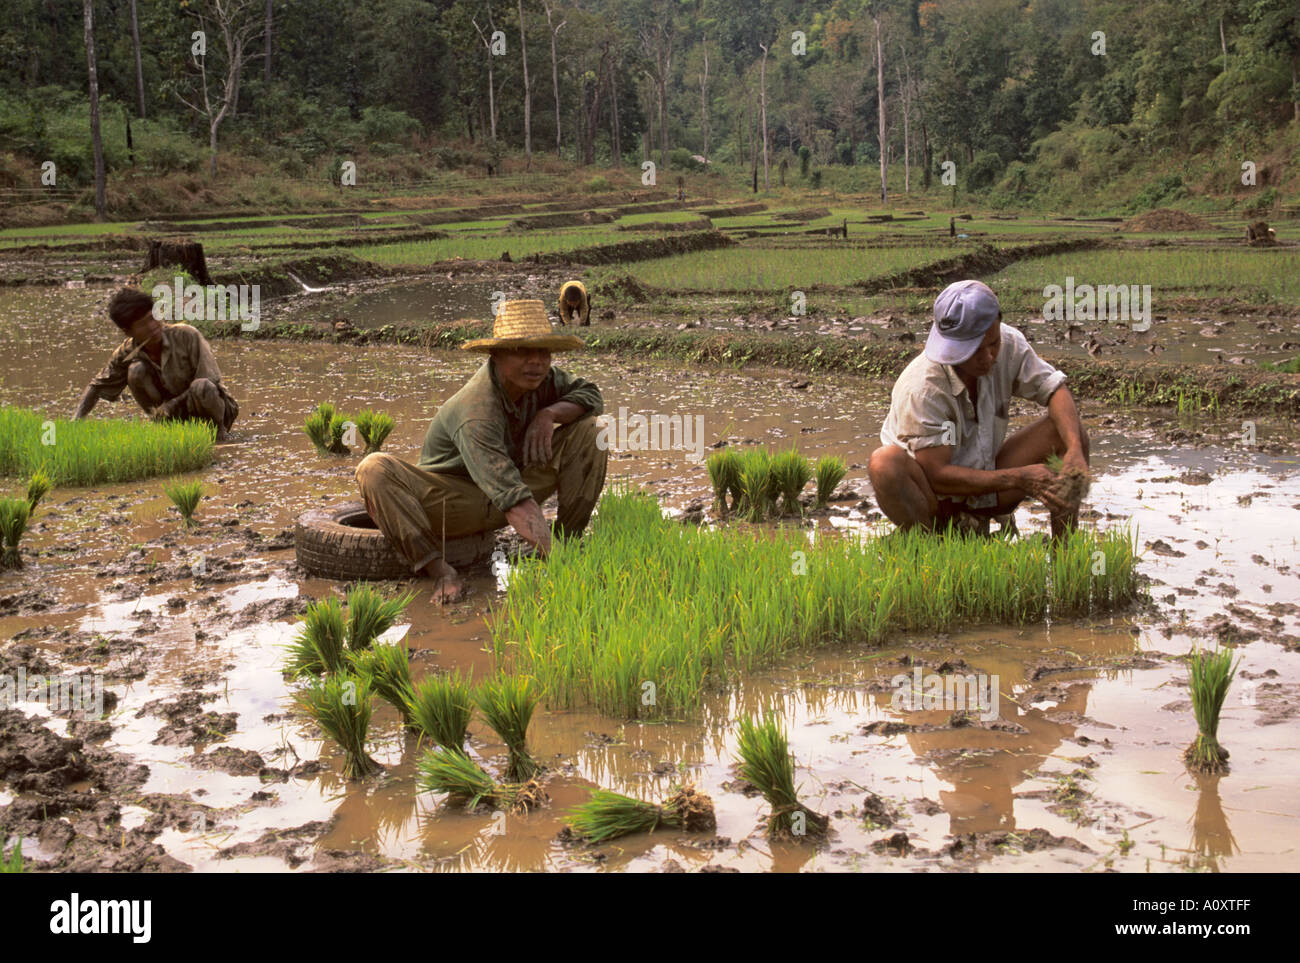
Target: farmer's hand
[(1074, 461), (1040, 481), (537, 439)]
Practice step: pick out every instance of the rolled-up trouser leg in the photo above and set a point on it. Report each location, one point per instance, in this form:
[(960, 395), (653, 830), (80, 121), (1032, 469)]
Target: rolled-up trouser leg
[(418, 510), (576, 472)]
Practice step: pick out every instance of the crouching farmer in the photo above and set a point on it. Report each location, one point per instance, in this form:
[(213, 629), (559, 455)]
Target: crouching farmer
[(517, 432), (575, 303), (945, 456), (169, 368)]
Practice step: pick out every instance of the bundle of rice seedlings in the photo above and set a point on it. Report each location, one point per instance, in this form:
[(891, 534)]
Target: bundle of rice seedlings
[(319, 645), (755, 485), (185, 496), (724, 474), (507, 703), (370, 615), (766, 762), (374, 427), (607, 815), (791, 472), (441, 707), (830, 471), (341, 706), (1210, 674), (14, 513), (459, 776), (388, 670), (38, 487), (324, 427)]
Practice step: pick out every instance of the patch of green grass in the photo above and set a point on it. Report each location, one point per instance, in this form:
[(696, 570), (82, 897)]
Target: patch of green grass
[(643, 599), (508, 703), (185, 495), (441, 708), (14, 862), (92, 452), (1209, 675), (766, 763), (341, 706), (1287, 367), (14, 513)]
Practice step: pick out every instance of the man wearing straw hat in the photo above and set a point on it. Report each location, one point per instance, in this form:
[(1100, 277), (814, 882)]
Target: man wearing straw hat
[(945, 456), (517, 432), (575, 303)]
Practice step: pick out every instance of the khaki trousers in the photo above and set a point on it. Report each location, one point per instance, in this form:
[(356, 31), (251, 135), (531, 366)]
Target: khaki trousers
[(417, 509)]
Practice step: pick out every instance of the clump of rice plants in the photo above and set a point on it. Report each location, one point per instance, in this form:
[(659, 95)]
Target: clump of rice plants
[(319, 645), (324, 427), (791, 472), (460, 777), (341, 706), (14, 513), (370, 615), (388, 670), (756, 485), (766, 762), (1210, 674), (724, 474), (38, 487), (374, 427), (507, 703), (830, 471), (185, 495), (441, 707), (94, 451), (608, 815)]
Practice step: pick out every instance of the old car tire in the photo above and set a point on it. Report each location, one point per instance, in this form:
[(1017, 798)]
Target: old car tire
[(341, 541)]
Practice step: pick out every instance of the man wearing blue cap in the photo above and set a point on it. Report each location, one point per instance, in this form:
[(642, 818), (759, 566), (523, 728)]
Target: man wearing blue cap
[(945, 451)]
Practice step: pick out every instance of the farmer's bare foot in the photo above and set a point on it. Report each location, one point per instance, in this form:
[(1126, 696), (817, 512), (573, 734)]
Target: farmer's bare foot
[(448, 590)]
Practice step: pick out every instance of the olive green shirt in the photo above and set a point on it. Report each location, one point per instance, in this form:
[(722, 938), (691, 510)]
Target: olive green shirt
[(186, 355), (479, 432)]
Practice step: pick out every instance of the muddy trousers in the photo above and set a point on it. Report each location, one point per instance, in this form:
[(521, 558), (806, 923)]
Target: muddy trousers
[(203, 399), (417, 509)]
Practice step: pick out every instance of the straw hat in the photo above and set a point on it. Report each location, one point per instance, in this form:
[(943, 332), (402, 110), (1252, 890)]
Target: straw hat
[(524, 324)]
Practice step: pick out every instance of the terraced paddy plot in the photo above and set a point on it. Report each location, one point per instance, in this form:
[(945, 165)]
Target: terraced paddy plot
[(646, 614), (423, 253)]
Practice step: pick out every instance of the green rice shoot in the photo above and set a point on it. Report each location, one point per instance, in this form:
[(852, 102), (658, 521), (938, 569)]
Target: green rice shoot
[(766, 763), (388, 670), (1209, 674), (341, 706), (38, 486), (459, 776), (319, 646), (96, 451), (370, 615), (791, 473), (14, 513), (374, 427), (755, 484), (325, 428), (724, 474), (185, 495), (830, 471), (507, 704), (441, 708), (14, 862), (608, 815)]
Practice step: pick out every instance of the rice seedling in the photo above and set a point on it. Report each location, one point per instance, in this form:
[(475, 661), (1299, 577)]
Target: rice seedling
[(374, 427), (388, 670), (441, 707), (14, 863), (14, 513), (791, 473), (766, 762), (724, 474), (460, 777), (319, 645), (830, 471), (185, 496), (755, 485), (608, 815), (370, 615), (341, 706), (38, 487), (95, 451), (1210, 674), (507, 704), (324, 427)]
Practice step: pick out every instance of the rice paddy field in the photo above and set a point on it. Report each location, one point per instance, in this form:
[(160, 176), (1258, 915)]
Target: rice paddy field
[(694, 685)]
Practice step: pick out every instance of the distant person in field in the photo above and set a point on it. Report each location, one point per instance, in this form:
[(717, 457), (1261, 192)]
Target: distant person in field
[(516, 433), (944, 450), (169, 368), (575, 303)]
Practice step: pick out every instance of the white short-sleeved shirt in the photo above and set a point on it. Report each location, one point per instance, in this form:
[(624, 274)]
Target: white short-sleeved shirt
[(930, 406)]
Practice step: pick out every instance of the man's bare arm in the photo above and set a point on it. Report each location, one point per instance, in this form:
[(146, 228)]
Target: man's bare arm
[(527, 519), (946, 478), (1065, 416), (537, 438), (88, 399)]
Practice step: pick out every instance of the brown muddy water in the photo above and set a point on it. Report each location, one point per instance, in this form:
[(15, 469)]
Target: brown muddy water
[(1081, 770)]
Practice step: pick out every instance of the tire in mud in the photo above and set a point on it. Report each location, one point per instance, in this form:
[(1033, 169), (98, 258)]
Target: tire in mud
[(341, 541)]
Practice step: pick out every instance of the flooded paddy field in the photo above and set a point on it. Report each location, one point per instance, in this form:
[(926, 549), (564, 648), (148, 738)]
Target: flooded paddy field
[(202, 760)]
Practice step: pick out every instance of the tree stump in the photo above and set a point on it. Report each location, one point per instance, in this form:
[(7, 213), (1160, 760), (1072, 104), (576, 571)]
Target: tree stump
[(188, 254)]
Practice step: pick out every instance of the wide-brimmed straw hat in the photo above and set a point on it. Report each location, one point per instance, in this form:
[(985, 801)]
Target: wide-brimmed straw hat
[(524, 324)]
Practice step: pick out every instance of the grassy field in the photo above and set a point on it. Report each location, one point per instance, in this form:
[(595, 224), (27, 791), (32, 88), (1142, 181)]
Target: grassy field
[(422, 253)]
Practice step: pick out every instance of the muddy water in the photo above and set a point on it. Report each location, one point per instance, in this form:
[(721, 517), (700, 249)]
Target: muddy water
[(1101, 705)]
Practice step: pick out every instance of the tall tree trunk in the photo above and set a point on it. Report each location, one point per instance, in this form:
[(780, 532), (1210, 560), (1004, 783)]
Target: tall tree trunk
[(927, 156), (266, 68), (704, 100), (762, 94), (492, 91), (88, 9), (528, 90), (1295, 83), (555, 71), (617, 141), (905, 91), (880, 102), (139, 67)]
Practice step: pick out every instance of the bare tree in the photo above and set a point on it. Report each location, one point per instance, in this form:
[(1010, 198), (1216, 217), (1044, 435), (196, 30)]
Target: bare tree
[(139, 67), (657, 44), (266, 67), (616, 144), (238, 25), (487, 45), (555, 69), (905, 94), (528, 91), (880, 106), (704, 98), (88, 8), (762, 93)]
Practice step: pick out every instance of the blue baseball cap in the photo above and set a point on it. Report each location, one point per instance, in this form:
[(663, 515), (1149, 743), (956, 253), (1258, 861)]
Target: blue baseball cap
[(963, 314)]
